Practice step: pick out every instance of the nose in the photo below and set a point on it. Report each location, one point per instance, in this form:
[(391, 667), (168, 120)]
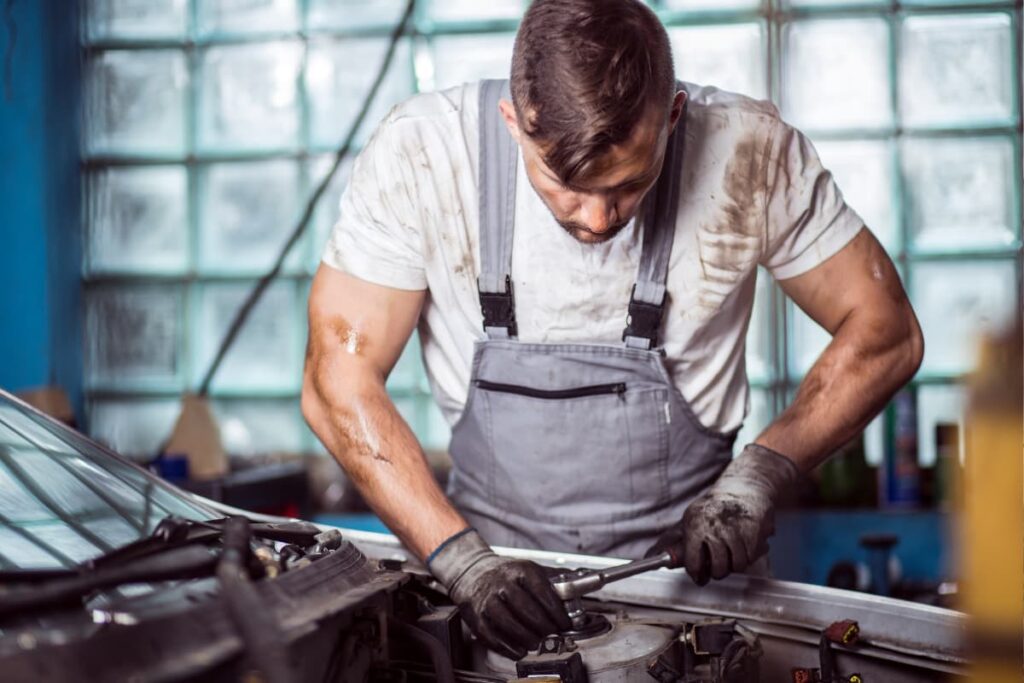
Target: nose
[(598, 213)]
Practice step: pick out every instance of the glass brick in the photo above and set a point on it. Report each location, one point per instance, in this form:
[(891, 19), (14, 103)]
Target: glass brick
[(138, 220), (133, 336), (759, 417), (218, 17), (135, 102), (960, 192), (938, 3), (836, 73), (760, 348), (956, 69), (250, 97), (133, 427), (328, 210), (437, 433), (339, 74), (247, 212), (467, 58), (265, 355), (473, 10), (729, 56), (937, 404), (354, 14), (957, 302), (408, 375), (807, 339), (250, 427), (863, 169), (410, 408), (136, 19), (837, 3), (874, 441), (704, 5)]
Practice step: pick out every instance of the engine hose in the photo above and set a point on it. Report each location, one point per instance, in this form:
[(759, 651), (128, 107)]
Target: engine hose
[(264, 642), (438, 656)]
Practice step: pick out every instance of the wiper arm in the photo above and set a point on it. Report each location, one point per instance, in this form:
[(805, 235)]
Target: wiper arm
[(187, 562), (177, 549), (171, 532)]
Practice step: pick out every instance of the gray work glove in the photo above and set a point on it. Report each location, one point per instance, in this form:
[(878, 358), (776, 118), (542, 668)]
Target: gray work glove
[(727, 526), (509, 604)]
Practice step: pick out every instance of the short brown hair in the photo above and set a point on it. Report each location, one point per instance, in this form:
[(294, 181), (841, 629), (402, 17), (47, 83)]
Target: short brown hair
[(584, 72)]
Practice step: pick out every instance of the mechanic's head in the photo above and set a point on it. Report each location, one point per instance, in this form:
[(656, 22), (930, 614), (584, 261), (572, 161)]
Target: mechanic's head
[(593, 102)]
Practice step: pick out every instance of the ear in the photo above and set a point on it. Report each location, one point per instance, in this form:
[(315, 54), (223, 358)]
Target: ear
[(677, 110), (508, 112)]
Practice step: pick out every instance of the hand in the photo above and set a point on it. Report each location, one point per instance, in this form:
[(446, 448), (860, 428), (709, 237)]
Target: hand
[(509, 604), (727, 527)]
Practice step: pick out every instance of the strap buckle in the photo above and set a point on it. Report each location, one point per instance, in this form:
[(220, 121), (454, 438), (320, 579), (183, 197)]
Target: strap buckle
[(643, 320), (499, 309)]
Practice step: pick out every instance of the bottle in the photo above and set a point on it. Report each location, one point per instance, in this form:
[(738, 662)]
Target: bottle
[(901, 471), (947, 463)]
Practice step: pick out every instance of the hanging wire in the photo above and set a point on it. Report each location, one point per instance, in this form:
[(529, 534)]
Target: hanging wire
[(260, 287)]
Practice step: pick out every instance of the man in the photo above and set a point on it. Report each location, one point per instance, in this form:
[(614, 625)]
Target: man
[(594, 190)]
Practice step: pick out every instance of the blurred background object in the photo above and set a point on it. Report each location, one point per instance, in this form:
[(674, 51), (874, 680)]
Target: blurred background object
[(158, 152), (992, 542)]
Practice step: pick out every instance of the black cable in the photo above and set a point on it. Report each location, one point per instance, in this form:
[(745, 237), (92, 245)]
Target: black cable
[(262, 635), (257, 291)]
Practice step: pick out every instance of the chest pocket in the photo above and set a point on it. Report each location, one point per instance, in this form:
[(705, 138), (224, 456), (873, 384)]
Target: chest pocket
[(575, 455)]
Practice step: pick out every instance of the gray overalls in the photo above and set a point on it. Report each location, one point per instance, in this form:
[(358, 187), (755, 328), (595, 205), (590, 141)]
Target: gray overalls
[(575, 447)]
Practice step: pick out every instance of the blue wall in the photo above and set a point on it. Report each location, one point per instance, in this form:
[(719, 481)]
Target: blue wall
[(808, 542), (40, 196)]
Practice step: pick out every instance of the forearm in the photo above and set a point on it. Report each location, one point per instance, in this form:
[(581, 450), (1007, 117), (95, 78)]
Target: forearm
[(865, 364), (363, 430)]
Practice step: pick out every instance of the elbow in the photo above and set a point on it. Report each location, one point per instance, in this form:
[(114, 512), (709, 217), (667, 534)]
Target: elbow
[(315, 397), (912, 348), (309, 399)]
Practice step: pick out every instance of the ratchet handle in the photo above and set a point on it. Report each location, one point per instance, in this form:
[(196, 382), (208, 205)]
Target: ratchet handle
[(589, 581)]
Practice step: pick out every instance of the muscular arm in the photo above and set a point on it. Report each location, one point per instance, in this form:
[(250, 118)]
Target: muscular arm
[(357, 331), (876, 347)]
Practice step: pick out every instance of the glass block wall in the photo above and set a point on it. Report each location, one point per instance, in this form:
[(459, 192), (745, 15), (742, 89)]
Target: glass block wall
[(209, 121)]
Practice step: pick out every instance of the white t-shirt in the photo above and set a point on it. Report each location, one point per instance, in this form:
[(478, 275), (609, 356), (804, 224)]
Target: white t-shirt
[(753, 192)]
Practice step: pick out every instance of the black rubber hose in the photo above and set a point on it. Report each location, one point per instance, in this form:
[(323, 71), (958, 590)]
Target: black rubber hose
[(265, 645), (441, 660)]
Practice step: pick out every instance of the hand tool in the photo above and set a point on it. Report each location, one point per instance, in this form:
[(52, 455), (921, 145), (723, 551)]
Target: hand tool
[(572, 585)]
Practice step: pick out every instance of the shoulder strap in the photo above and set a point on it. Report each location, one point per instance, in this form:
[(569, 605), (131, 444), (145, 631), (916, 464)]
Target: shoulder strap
[(497, 193), (658, 215)]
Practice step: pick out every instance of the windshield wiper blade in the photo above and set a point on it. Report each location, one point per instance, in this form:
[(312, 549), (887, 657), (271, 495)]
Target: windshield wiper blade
[(187, 562), (171, 532)]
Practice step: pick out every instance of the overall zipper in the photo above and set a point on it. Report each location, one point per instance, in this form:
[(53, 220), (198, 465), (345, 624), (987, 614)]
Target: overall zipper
[(592, 390)]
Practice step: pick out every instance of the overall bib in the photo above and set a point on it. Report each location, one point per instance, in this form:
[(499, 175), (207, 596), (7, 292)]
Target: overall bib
[(575, 447)]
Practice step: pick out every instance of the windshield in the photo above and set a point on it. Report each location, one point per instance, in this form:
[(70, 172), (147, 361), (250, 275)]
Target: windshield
[(63, 500)]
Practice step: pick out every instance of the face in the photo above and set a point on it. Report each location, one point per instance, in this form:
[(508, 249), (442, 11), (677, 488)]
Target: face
[(596, 208)]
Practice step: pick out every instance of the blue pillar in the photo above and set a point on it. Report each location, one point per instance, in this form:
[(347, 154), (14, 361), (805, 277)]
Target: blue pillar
[(40, 244)]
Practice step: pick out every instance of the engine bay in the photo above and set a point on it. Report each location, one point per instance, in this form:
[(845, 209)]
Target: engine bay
[(286, 602)]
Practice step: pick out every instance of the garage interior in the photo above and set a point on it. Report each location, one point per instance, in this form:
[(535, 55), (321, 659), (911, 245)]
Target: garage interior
[(168, 184)]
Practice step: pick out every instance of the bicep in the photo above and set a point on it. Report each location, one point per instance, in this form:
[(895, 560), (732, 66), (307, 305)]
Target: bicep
[(860, 279), (358, 321)]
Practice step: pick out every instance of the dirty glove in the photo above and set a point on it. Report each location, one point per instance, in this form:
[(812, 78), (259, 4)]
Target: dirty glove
[(509, 604), (727, 527)]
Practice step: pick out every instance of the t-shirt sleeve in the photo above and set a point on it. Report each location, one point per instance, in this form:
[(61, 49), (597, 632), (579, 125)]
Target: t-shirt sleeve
[(378, 236), (808, 220)]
